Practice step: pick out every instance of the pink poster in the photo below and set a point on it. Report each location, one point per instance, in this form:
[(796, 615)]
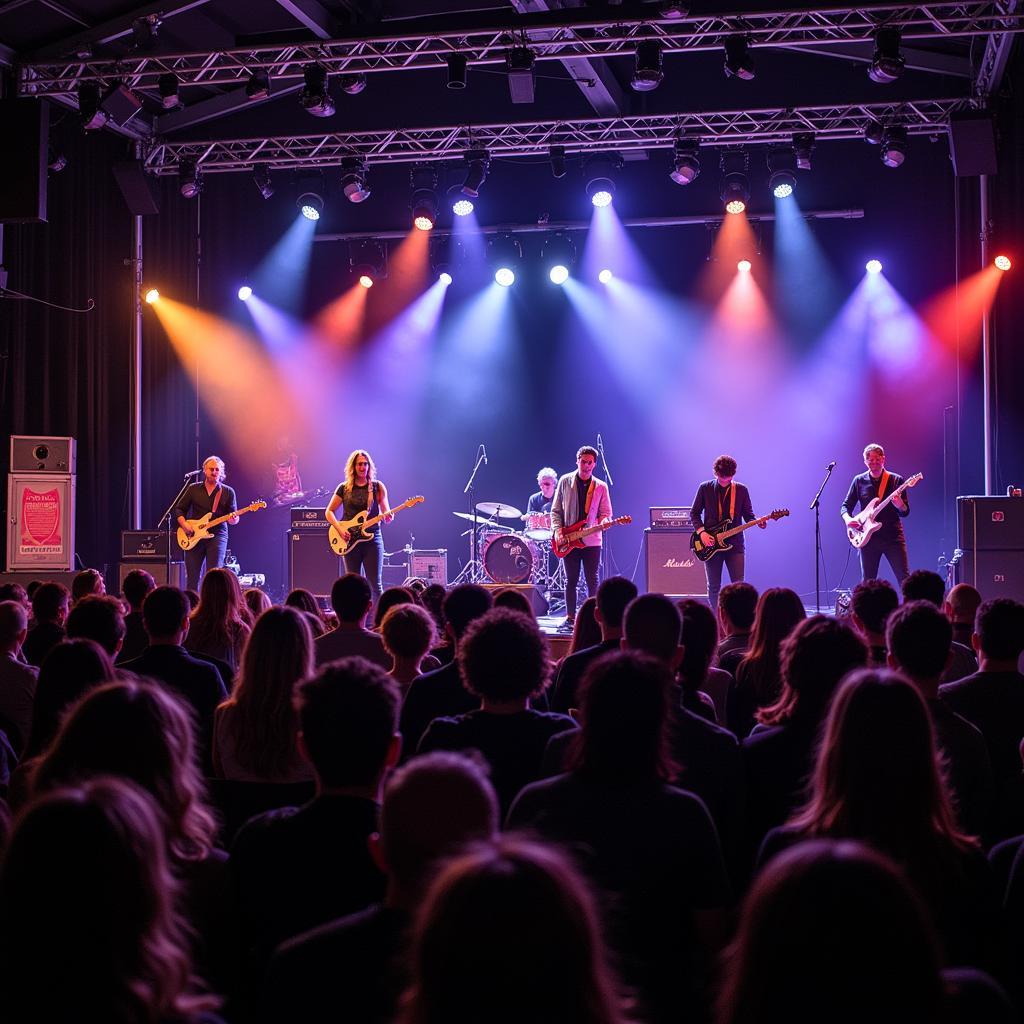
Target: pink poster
[(40, 522)]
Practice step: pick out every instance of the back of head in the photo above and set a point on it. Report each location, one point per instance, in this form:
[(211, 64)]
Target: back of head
[(408, 631), (350, 597), (919, 637), (303, 600), (99, 618), (503, 657), (348, 713), (463, 604), (137, 584), (652, 624), (432, 599), (509, 933), (924, 585), (49, 601), (220, 603), (514, 600), (613, 596), (164, 612), (963, 601), (832, 931), (431, 806), (585, 630), (779, 610), (257, 600), (699, 637), (391, 598), (1000, 628), (88, 581), (873, 602), (15, 592), (738, 602), (13, 622)]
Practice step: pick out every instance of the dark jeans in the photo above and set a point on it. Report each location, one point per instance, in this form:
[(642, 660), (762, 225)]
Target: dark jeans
[(211, 552), (895, 551), (589, 559), (369, 557), (734, 560)]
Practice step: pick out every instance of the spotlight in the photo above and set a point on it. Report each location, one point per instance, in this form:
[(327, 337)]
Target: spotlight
[(781, 168), (557, 157), (887, 63), (894, 146), (505, 277), (462, 207), (671, 10), (738, 62), (605, 277), (600, 183), (478, 162), (1003, 262), (445, 278), (152, 295), (874, 132), (365, 280), (354, 182), (261, 179), (558, 254), (504, 253), (457, 63), (803, 147), (558, 274), (258, 86), (735, 190), (441, 248), (245, 293), (92, 115), (743, 266), (647, 74), (353, 84), (686, 162), (873, 266), (145, 31), (519, 63), (315, 96), (311, 204), (190, 184), (424, 197), (368, 260), (168, 86), (56, 161)]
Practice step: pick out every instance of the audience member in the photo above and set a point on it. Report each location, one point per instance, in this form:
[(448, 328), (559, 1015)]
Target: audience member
[(351, 598), (925, 585), (391, 598), (698, 635), (586, 630), (217, 627), (17, 679), (357, 967), (51, 603), (759, 674), (255, 731), (137, 584), (87, 583), (17, 593), (305, 601), (98, 617), (961, 607), (737, 606), (407, 632), (257, 601), (432, 599), (514, 600), (872, 603), (193, 599)]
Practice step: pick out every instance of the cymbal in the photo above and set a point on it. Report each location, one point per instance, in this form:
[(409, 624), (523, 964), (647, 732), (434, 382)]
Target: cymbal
[(471, 518), (496, 508)]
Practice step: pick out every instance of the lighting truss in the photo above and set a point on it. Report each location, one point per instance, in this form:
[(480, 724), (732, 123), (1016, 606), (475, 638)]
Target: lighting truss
[(557, 35), (770, 126)]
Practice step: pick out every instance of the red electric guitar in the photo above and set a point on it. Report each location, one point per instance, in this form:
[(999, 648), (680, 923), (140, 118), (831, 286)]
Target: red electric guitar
[(572, 536)]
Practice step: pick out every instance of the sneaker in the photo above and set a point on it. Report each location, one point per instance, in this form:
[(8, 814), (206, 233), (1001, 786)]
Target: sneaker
[(565, 627)]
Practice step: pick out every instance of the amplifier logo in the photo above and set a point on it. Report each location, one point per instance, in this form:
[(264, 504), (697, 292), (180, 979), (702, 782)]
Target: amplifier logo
[(674, 563), (311, 515)]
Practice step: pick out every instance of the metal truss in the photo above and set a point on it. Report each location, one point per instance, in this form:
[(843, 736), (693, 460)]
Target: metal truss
[(534, 138), (558, 35)]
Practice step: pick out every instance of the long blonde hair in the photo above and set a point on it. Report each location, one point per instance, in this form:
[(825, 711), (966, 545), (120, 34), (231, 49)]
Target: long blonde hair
[(350, 468)]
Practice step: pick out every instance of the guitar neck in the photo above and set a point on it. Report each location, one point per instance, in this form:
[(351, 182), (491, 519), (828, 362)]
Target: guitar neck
[(377, 518), (590, 530), (895, 494), (740, 529), (224, 519)]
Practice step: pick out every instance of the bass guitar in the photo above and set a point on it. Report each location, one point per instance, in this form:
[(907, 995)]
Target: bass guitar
[(868, 516), (572, 536), (722, 531), (203, 527), (346, 535)]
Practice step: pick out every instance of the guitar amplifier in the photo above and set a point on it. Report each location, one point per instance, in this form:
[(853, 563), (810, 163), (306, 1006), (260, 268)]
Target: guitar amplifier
[(142, 545), (671, 517), (672, 568), (307, 517), (990, 523), (311, 563), (429, 565)]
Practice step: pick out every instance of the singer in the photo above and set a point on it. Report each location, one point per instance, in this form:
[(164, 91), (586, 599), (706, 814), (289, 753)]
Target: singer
[(210, 494)]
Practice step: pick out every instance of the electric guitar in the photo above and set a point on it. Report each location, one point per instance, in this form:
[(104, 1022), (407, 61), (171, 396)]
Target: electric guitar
[(346, 535), (868, 516), (204, 526), (572, 536), (720, 532)]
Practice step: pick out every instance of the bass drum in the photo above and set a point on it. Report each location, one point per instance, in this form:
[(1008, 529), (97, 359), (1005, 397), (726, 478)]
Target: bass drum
[(510, 558)]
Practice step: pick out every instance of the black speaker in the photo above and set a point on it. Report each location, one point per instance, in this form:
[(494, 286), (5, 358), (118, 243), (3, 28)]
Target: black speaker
[(533, 594), (158, 570), (972, 144), (672, 568), (25, 127), (312, 564), (32, 454), (137, 188), (990, 523), (993, 573)]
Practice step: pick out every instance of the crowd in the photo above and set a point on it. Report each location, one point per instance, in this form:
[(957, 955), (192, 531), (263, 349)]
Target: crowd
[(216, 809)]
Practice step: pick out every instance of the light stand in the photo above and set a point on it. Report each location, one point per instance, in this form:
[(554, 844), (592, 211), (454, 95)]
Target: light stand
[(816, 506)]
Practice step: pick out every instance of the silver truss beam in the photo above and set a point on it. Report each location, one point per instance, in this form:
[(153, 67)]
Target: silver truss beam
[(533, 138), (559, 35)]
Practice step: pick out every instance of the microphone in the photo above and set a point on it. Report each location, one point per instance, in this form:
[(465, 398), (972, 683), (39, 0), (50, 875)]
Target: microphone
[(192, 473), (483, 450), (831, 465), (600, 443)]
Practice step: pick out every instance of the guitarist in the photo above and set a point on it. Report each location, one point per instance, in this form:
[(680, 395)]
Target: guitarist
[(211, 494), (889, 540), (717, 500), (361, 491), (581, 496)]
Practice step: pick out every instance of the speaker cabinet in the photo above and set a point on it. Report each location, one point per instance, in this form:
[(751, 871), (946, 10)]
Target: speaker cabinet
[(990, 523), (993, 573), (311, 563), (25, 129), (158, 570), (137, 187), (532, 593), (42, 454), (672, 568), (972, 143), (430, 565)]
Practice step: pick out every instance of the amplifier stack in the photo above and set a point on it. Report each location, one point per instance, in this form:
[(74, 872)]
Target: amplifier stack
[(991, 538), (672, 568), (154, 551)]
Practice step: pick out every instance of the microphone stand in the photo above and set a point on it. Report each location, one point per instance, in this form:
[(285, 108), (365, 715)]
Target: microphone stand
[(166, 518), (472, 571), (816, 506), (608, 479)]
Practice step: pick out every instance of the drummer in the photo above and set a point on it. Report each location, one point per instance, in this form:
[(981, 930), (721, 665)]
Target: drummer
[(547, 478)]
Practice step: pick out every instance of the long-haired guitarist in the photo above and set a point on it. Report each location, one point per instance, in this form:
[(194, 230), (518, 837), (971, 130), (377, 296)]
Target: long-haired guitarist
[(361, 491), (889, 539), (581, 497), (210, 494), (716, 501)]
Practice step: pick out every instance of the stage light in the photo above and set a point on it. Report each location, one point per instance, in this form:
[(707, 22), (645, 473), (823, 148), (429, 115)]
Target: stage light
[(685, 162), (168, 86), (365, 280), (782, 171), (873, 266), (257, 87), (261, 179), (519, 62), (457, 63), (504, 253), (505, 277), (647, 73), (152, 295), (245, 293), (445, 278), (316, 96), (558, 254), (887, 63), (190, 184), (145, 31), (311, 204), (424, 197), (672, 10), (735, 185), (56, 161), (463, 207), (605, 276), (603, 192), (738, 62), (556, 154), (368, 261), (894, 146), (354, 183), (743, 266), (353, 84), (478, 162), (558, 274), (599, 171), (874, 132), (92, 115), (1003, 262), (803, 147)]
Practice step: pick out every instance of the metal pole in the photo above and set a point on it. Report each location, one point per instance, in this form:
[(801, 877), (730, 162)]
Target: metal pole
[(135, 378), (986, 345)]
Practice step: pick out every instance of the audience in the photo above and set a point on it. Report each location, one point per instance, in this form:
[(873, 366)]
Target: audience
[(698, 635), (586, 630), (17, 593), (98, 617), (515, 600), (961, 607), (87, 583), (137, 584), (51, 603), (305, 602), (218, 627), (737, 606), (17, 679), (391, 598), (872, 603), (925, 585), (351, 598), (407, 632), (257, 602)]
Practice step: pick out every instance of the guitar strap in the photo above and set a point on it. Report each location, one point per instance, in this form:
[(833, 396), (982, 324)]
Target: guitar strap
[(883, 483), (732, 501), (590, 498), (216, 502)]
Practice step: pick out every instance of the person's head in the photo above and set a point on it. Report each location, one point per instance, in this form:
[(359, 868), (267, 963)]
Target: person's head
[(100, 618), (514, 600), (15, 592), (815, 656), (51, 603), (585, 628), (359, 465), (586, 460), (257, 600), (699, 637), (391, 598), (137, 584), (165, 613), (430, 807), (547, 480), (432, 599), (140, 731), (351, 598), (508, 932), (624, 705), (999, 629), (874, 459), (13, 625), (193, 599), (653, 625), (873, 602), (924, 585), (779, 609), (408, 632), (303, 600), (85, 583), (503, 656), (348, 716), (724, 469), (463, 604), (87, 911), (220, 599), (918, 637), (962, 603), (69, 670), (613, 596), (737, 606), (213, 470), (832, 931)]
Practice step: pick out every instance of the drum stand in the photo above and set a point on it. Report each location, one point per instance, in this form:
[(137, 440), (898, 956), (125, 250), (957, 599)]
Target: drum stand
[(472, 572)]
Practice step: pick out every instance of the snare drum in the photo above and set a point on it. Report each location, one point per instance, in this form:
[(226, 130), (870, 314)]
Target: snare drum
[(538, 526), (510, 558)]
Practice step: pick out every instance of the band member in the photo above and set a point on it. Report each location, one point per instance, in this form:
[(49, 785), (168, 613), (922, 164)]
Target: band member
[(547, 480), (581, 496), (717, 500), (889, 539), (362, 491), (212, 495)]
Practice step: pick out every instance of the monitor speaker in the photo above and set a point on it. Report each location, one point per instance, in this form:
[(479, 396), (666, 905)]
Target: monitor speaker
[(972, 144), (990, 523), (311, 563), (25, 129), (672, 568), (158, 570), (993, 573)]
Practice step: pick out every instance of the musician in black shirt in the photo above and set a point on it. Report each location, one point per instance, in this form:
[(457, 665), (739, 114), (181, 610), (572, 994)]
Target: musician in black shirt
[(889, 539), (212, 495), (540, 501)]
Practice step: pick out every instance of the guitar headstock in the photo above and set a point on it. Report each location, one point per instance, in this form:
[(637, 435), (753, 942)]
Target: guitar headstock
[(915, 480), (779, 513), (623, 520), (255, 506), (409, 502)]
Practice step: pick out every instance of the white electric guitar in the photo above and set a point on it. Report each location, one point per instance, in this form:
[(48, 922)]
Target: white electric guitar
[(868, 516), (203, 527), (350, 532)]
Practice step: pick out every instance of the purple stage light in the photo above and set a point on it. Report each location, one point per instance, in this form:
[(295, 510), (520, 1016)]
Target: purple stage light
[(462, 207), (245, 293), (873, 266), (601, 198), (445, 278), (505, 277), (605, 277)]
